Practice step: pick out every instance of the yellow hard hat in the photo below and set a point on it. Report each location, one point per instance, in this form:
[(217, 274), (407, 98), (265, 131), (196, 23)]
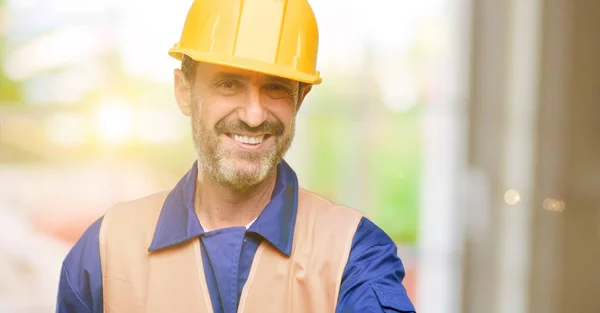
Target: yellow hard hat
[(274, 37)]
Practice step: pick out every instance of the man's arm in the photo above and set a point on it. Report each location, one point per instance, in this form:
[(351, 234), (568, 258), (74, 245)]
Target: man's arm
[(80, 286), (372, 279)]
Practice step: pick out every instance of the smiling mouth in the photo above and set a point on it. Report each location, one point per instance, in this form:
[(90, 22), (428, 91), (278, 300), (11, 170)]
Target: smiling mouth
[(249, 141)]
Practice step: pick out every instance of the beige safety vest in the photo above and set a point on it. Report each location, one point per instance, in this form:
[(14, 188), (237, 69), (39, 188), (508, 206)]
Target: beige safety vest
[(171, 280)]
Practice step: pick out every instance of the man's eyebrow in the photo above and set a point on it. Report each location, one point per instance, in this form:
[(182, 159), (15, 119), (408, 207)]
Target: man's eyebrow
[(281, 80), (226, 75)]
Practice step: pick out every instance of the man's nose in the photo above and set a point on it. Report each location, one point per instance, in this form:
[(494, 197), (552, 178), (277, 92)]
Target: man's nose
[(253, 113)]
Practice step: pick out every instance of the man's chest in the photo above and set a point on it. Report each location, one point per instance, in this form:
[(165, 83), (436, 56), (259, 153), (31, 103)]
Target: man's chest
[(227, 256)]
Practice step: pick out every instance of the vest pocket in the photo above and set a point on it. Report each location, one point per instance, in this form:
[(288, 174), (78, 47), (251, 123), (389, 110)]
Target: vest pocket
[(393, 299)]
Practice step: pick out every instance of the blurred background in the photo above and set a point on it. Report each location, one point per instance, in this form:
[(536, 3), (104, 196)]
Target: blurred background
[(469, 130)]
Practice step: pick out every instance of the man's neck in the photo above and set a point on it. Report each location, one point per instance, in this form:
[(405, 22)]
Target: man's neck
[(220, 207)]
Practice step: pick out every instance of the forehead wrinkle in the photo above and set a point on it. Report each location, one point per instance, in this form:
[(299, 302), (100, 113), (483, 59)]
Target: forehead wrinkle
[(229, 75), (251, 77)]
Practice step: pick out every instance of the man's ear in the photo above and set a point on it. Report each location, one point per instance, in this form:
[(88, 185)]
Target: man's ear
[(303, 92), (182, 92)]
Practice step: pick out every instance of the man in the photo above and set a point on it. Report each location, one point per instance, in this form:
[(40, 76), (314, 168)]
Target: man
[(237, 233)]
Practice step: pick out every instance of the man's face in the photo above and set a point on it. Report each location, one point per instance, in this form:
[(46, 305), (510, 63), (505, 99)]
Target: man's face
[(242, 122)]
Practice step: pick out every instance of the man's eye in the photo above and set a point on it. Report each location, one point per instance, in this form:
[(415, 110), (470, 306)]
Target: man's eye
[(229, 87), (227, 84), (277, 91), (275, 87)]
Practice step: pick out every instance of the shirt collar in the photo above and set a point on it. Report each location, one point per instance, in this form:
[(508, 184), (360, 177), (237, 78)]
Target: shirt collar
[(178, 221)]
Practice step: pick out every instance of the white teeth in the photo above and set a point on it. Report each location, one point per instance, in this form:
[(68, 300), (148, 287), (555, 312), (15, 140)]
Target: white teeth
[(249, 140)]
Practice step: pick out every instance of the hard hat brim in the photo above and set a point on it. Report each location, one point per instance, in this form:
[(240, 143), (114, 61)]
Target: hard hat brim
[(246, 64)]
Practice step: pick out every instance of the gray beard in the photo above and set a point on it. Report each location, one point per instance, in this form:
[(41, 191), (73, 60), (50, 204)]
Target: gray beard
[(223, 166)]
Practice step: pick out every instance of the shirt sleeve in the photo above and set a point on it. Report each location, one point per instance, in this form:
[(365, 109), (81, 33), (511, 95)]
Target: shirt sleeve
[(80, 285), (372, 278)]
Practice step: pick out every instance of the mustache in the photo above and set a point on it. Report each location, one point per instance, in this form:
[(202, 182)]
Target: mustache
[(275, 128)]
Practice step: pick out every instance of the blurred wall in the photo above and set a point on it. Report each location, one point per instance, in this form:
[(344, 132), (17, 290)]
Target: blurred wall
[(579, 287), (532, 240)]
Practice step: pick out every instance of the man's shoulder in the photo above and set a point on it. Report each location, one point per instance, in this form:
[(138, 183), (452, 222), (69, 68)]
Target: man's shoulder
[(143, 205), (316, 210), (153, 199), (311, 200), (138, 215), (367, 232)]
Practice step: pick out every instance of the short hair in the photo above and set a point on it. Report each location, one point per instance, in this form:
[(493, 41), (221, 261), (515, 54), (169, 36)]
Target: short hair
[(188, 67)]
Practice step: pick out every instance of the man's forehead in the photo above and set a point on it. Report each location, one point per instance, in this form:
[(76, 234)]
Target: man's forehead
[(216, 71)]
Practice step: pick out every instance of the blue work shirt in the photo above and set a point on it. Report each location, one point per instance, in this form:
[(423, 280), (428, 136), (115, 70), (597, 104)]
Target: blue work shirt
[(371, 282)]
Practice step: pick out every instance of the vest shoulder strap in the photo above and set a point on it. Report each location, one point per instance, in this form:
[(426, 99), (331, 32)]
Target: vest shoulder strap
[(125, 235)]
